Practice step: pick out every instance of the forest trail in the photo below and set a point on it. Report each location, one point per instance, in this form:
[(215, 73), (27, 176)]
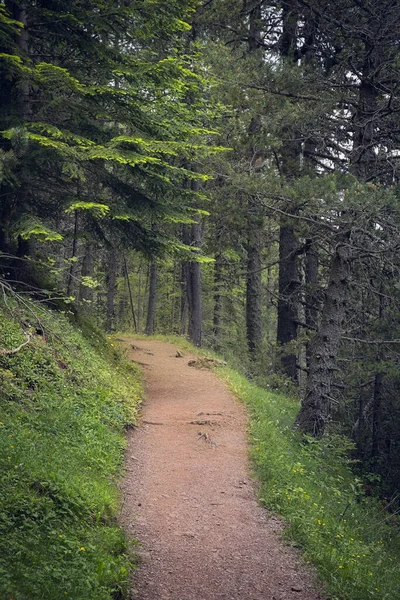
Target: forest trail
[(188, 496)]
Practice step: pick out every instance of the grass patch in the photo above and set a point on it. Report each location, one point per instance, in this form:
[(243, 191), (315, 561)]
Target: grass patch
[(65, 402), (350, 538)]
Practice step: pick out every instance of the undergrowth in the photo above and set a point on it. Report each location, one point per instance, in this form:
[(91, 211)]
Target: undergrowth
[(353, 541), (65, 401)]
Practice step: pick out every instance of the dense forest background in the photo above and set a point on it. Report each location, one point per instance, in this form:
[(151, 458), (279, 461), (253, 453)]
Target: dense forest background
[(222, 170)]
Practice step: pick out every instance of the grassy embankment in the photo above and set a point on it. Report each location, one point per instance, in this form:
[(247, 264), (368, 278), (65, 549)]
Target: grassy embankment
[(350, 538), (65, 400)]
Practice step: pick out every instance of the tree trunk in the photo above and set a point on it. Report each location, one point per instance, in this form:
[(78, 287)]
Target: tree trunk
[(315, 410), (364, 160), (184, 298), (289, 284), (378, 390), (194, 290), (175, 281), (130, 295), (253, 278), (151, 308), (311, 275), (111, 284), (255, 223), (289, 279), (139, 297), (217, 316)]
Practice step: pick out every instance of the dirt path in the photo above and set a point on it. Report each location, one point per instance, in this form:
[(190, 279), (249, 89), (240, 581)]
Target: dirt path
[(188, 497)]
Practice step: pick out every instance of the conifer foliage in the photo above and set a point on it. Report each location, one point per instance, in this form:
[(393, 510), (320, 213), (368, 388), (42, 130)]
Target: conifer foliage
[(282, 250), (94, 124)]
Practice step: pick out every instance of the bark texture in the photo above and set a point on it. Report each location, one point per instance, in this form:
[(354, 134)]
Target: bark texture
[(255, 223), (128, 283), (289, 280), (315, 411), (289, 284), (151, 307), (311, 277), (217, 316), (193, 290), (253, 278), (111, 282)]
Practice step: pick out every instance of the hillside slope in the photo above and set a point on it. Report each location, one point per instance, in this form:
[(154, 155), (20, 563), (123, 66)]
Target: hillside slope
[(63, 412)]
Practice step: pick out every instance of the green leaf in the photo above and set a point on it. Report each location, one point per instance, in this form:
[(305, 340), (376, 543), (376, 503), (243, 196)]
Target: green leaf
[(31, 227), (98, 210)]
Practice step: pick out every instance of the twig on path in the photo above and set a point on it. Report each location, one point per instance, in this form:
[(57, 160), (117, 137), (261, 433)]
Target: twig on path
[(206, 437)]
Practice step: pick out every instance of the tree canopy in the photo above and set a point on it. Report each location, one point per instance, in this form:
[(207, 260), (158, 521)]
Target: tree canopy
[(226, 170)]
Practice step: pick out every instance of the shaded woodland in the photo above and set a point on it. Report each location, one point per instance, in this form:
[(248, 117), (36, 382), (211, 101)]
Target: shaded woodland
[(227, 171)]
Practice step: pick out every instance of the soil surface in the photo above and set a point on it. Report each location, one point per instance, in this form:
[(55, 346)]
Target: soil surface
[(188, 496)]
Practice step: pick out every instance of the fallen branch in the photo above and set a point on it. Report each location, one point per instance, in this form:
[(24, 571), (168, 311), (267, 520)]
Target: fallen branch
[(4, 352)]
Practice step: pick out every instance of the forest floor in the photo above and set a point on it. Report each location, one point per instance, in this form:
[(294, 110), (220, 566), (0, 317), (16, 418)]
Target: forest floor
[(189, 498)]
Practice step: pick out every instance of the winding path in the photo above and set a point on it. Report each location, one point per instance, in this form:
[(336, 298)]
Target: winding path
[(188, 496)]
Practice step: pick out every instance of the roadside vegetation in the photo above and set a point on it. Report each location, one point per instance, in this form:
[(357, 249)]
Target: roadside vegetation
[(352, 538), (66, 398)]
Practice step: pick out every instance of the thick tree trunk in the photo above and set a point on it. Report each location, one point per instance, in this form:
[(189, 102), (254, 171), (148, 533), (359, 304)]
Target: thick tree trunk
[(315, 410), (151, 307), (111, 284), (364, 160), (253, 278), (133, 313), (289, 284), (289, 278), (378, 389), (255, 224), (311, 276), (192, 281), (184, 298)]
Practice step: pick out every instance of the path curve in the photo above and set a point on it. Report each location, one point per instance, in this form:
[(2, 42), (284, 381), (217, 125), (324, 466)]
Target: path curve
[(188, 496)]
